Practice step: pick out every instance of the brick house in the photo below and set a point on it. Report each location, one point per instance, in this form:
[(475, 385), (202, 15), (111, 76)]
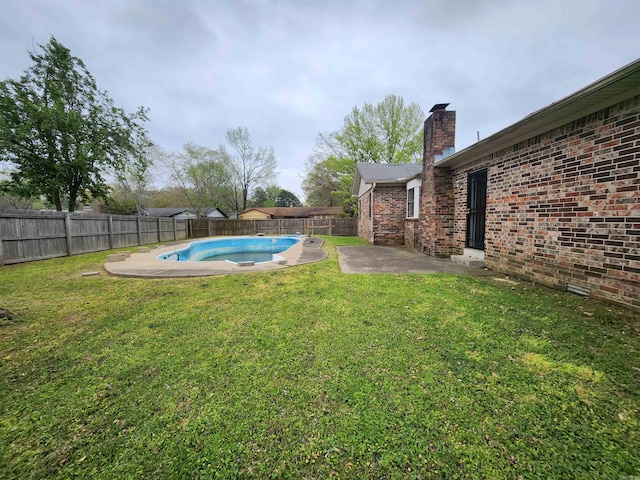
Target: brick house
[(553, 198), (388, 197)]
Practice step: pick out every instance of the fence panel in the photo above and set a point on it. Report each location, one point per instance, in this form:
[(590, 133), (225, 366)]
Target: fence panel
[(32, 235), (199, 227), (347, 227), (292, 226), (284, 226), (148, 230), (182, 229), (89, 234), (124, 232)]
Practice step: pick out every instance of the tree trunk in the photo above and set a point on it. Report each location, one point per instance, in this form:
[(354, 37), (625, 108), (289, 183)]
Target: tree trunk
[(57, 201)]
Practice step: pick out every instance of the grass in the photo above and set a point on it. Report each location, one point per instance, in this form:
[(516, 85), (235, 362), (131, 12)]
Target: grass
[(309, 373)]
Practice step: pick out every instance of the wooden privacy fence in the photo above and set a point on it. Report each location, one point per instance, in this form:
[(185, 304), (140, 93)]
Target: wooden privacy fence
[(39, 235), (206, 227)]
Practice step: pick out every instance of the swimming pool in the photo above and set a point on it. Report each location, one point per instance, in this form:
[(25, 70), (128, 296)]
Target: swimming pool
[(234, 250)]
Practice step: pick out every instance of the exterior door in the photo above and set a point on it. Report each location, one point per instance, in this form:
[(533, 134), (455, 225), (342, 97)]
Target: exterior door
[(476, 207)]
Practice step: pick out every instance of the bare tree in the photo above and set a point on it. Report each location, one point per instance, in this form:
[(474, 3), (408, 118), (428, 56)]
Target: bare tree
[(203, 175), (250, 168), (133, 181)]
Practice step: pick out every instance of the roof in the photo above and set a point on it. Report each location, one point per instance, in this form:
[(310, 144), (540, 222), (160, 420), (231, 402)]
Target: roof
[(167, 212), (209, 210), (297, 212), (173, 211), (615, 87), (386, 173)]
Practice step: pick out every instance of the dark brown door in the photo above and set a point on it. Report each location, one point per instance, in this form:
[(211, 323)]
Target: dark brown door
[(476, 207)]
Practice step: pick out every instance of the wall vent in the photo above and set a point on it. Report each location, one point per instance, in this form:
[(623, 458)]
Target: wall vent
[(578, 290)]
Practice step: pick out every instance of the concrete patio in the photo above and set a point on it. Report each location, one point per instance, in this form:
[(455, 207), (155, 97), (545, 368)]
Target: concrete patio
[(382, 259)]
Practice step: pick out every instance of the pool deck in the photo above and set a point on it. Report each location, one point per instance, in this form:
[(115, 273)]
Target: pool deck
[(147, 264)]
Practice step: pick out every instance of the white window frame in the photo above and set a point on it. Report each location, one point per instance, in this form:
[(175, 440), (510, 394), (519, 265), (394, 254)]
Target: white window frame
[(414, 185)]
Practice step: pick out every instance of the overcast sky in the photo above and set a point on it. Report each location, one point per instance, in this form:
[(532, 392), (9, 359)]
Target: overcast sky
[(288, 70)]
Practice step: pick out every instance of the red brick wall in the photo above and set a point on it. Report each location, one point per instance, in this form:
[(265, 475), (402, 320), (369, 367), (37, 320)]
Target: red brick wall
[(435, 230), (410, 232), (389, 212), (565, 206)]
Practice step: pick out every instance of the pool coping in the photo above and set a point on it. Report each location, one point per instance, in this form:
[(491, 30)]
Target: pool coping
[(147, 265)]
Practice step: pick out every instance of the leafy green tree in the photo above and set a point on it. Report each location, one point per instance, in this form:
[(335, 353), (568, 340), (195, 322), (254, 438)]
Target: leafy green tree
[(328, 182), (272, 195), (119, 205), (389, 132), (286, 198), (62, 134), (250, 167), (258, 198), (261, 198), (329, 174)]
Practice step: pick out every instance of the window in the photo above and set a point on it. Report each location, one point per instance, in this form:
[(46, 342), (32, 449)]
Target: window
[(413, 197), (411, 202)]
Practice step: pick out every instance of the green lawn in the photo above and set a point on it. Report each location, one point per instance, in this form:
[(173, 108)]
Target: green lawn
[(309, 373)]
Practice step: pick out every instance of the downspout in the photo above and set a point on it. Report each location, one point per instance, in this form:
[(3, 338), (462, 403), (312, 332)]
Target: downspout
[(373, 233)]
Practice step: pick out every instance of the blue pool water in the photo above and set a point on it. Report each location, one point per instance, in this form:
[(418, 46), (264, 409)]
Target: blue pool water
[(255, 249), (241, 257)]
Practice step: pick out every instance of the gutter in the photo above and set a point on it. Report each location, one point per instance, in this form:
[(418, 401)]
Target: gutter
[(373, 233)]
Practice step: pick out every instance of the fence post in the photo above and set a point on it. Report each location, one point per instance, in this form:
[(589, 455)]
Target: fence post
[(139, 233), (67, 230), (330, 226), (175, 230), (110, 232)]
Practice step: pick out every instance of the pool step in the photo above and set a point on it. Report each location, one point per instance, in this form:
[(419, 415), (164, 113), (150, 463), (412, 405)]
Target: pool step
[(116, 257)]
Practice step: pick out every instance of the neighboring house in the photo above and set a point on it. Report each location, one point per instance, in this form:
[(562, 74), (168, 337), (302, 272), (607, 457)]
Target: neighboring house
[(215, 212), (267, 213), (553, 198), (184, 212), (170, 212), (388, 195)]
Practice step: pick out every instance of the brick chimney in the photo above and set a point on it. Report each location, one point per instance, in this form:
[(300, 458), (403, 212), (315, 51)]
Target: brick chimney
[(439, 132), (435, 231)]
